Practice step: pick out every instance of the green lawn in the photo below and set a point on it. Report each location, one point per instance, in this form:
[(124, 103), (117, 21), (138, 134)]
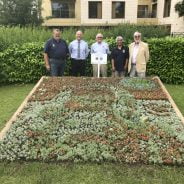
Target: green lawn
[(11, 97), (109, 173), (177, 92), (42, 173)]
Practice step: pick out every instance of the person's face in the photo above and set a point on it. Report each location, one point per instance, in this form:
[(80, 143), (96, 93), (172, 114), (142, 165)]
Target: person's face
[(137, 38), (57, 35), (79, 35), (119, 42), (99, 38)]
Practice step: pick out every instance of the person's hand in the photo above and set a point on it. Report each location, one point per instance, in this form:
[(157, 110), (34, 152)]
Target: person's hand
[(48, 67)]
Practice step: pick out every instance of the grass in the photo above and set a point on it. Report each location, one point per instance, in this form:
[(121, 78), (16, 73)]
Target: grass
[(11, 97), (176, 91), (107, 173), (18, 35), (44, 173)]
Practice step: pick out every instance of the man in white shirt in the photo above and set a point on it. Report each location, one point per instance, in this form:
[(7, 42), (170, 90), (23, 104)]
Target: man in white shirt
[(139, 56), (100, 47), (79, 51)]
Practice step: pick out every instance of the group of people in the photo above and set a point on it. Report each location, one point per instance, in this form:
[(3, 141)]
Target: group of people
[(131, 60)]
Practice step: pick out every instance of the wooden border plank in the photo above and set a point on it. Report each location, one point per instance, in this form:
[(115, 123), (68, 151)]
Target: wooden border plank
[(19, 110), (178, 112)]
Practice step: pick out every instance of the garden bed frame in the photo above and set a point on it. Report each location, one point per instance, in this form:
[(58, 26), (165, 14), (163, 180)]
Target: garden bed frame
[(24, 103)]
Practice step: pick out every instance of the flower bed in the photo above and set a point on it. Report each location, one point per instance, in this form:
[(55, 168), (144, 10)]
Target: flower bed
[(86, 119)]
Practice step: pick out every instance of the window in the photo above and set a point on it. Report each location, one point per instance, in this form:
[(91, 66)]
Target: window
[(154, 10), (63, 8), (118, 10), (95, 9), (142, 11), (167, 7)]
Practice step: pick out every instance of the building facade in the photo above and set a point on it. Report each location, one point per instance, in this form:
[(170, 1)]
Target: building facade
[(111, 12)]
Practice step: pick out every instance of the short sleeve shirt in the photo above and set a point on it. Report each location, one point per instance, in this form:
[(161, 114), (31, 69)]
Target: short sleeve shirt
[(101, 48), (56, 49), (120, 56)]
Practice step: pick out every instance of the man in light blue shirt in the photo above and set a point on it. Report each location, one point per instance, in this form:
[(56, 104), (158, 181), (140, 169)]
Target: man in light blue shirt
[(79, 51), (103, 48)]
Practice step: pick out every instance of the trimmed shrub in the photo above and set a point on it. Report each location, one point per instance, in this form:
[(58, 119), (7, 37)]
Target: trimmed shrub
[(22, 63), (25, 63), (167, 59)]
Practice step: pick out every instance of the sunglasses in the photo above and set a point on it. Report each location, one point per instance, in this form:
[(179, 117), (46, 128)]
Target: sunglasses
[(137, 36)]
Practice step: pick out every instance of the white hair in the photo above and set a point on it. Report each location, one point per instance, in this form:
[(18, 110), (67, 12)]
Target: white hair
[(137, 34), (79, 31), (119, 38), (99, 34)]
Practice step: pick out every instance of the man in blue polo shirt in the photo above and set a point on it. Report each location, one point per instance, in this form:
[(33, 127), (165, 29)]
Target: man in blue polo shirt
[(55, 54), (119, 58)]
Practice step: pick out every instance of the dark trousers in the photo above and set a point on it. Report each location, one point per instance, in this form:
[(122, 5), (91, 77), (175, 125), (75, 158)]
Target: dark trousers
[(57, 67), (78, 67)]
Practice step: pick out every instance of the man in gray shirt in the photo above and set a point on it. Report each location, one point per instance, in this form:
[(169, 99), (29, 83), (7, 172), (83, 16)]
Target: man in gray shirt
[(103, 48), (79, 51)]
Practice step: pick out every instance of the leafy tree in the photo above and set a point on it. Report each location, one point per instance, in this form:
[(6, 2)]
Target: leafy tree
[(20, 12), (179, 7)]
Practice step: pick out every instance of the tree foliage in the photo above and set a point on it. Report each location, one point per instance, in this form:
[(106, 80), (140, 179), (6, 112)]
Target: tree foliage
[(179, 7), (20, 12)]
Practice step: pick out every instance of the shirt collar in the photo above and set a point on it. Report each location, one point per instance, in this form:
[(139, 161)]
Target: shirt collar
[(78, 40), (56, 40), (121, 47), (137, 44), (99, 43)]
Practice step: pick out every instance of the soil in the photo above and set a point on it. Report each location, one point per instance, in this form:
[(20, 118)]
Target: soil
[(51, 86)]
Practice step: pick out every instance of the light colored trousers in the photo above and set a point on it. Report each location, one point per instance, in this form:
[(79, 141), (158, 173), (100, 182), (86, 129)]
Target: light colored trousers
[(103, 70), (134, 73)]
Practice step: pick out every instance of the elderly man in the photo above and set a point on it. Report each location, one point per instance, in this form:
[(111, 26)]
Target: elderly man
[(55, 54), (78, 52), (139, 56), (119, 58), (103, 48)]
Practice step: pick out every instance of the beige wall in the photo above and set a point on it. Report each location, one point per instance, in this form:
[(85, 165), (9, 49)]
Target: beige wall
[(130, 13), (82, 16), (177, 24)]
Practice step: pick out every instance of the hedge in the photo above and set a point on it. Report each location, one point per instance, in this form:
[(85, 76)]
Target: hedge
[(24, 64), (167, 59)]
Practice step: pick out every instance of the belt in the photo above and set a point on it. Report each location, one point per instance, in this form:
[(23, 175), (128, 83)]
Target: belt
[(133, 63), (78, 59)]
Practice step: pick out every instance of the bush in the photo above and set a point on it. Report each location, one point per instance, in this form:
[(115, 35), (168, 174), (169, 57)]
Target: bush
[(22, 63), (167, 59), (25, 63)]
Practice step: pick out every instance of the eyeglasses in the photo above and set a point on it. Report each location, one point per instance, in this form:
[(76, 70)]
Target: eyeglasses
[(138, 36), (99, 37)]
